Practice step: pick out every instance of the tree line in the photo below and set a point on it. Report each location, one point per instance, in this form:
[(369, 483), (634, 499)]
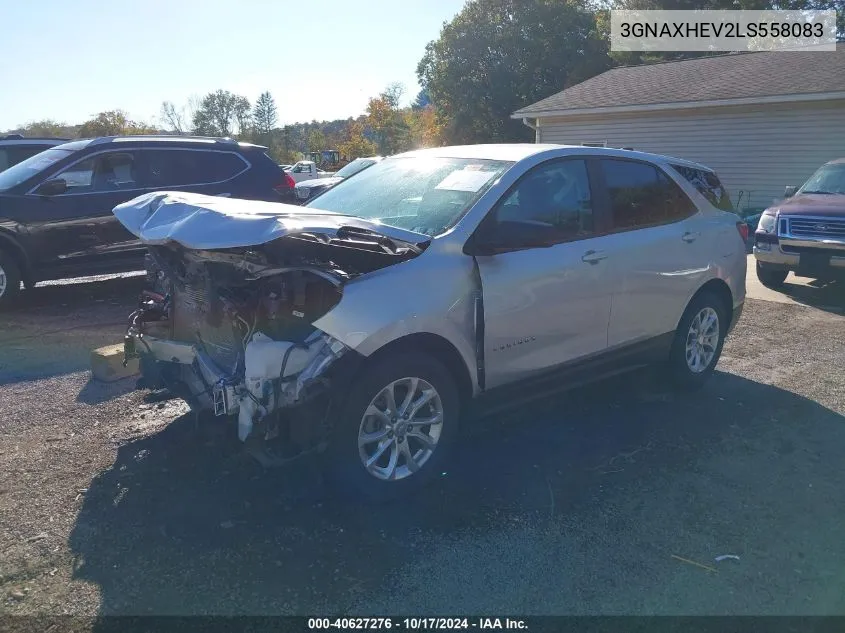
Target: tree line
[(492, 58), (385, 128)]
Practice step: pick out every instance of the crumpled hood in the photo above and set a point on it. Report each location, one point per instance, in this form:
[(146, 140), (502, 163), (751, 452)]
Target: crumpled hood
[(319, 182), (203, 222)]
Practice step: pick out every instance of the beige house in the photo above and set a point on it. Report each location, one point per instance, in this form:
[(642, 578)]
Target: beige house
[(761, 120)]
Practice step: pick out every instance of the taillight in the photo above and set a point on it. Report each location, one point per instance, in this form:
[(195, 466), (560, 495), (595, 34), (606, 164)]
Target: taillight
[(287, 184), (742, 227)]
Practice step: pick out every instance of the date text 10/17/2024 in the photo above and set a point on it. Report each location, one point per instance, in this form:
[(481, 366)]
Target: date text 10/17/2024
[(417, 624)]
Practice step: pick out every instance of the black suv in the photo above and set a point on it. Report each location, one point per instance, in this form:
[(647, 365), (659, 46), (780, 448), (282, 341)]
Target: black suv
[(56, 216), (14, 148)]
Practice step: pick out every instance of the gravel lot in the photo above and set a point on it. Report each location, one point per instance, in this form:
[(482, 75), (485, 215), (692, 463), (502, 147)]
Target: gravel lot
[(578, 504)]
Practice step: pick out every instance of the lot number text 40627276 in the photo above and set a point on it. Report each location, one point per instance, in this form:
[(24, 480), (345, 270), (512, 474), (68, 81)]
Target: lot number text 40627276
[(416, 624)]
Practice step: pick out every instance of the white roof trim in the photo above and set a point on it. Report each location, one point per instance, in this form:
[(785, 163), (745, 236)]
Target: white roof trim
[(682, 105)]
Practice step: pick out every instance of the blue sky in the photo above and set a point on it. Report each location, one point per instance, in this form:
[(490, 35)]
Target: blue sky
[(321, 59)]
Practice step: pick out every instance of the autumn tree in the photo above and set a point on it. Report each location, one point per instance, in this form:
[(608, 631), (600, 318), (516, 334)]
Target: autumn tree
[(356, 144), (113, 123), (222, 113), (497, 56), (386, 121), (48, 127), (426, 129)]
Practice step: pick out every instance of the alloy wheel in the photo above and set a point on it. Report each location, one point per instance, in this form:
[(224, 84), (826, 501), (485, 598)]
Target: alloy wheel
[(400, 429), (702, 340)]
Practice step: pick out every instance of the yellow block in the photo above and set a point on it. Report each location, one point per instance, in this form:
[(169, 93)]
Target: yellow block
[(107, 364)]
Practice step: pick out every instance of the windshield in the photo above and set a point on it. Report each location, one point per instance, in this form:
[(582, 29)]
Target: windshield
[(828, 179), (28, 168), (354, 167), (424, 194)]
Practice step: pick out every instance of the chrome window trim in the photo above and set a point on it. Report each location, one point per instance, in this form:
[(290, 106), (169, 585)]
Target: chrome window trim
[(247, 167)]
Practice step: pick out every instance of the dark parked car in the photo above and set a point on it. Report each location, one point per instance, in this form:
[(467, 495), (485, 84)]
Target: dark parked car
[(805, 233), (307, 189), (56, 216), (15, 148)]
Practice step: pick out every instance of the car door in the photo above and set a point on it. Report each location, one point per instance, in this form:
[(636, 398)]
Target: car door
[(70, 227), (655, 248), (543, 305)]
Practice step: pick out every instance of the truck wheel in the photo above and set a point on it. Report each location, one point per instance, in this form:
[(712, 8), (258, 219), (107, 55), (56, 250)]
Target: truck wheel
[(10, 280), (771, 277), (396, 428), (698, 342)]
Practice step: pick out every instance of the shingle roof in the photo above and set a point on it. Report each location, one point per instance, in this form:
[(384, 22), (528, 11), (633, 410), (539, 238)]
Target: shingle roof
[(735, 76)]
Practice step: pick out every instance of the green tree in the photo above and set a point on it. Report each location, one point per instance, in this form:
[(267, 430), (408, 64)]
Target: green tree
[(264, 116), (496, 56), (221, 113), (113, 123)]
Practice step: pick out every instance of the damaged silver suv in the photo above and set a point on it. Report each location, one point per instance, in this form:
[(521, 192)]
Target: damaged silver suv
[(366, 323)]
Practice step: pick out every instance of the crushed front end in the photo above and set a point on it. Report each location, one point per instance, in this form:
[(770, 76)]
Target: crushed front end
[(236, 289), (234, 336)]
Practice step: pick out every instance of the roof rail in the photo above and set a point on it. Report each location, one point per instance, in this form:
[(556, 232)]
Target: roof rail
[(183, 138)]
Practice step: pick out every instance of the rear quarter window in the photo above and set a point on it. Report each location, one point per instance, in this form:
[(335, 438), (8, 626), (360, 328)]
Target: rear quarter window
[(707, 183)]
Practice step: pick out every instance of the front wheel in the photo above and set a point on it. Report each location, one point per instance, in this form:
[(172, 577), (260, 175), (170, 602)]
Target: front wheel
[(396, 428), (698, 341), (771, 277)]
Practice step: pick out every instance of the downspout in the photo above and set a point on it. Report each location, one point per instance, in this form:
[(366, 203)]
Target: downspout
[(535, 126)]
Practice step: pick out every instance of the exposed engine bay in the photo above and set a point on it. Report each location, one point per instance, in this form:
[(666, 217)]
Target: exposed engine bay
[(230, 328)]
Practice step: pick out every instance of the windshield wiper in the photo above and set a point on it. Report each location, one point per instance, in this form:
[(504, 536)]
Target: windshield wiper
[(827, 193)]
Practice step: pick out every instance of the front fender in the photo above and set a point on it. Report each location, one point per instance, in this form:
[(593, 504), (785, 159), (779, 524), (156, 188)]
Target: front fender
[(432, 294)]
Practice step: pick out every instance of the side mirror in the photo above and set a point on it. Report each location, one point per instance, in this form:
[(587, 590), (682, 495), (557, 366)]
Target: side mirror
[(789, 191), (494, 238), (52, 187)]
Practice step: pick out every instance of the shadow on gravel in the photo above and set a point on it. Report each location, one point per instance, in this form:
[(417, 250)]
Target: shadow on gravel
[(183, 523), (823, 295), (52, 329), (97, 392)]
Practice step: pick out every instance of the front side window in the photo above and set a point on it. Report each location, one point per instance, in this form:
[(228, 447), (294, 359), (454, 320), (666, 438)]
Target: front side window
[(424, 194), (555, 195), (641, 195), (23, 171), (708, 185), (112, 171), (829, 179), (354, 167)]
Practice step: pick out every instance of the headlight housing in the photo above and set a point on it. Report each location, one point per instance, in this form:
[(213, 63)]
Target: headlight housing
[(768, 221)]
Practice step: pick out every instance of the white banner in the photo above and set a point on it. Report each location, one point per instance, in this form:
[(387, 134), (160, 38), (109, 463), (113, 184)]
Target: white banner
[(632, 30)]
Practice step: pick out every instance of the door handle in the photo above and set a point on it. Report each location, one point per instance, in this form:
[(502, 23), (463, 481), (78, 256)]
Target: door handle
[(593, 257), (689, 237)]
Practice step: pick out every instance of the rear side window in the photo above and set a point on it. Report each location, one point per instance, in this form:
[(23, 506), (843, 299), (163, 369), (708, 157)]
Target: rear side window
[(182, 168), (641, 195), (708, 185), (13, 155)]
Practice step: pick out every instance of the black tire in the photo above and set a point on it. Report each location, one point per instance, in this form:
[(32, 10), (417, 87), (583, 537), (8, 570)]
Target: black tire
[(679, 372), (345, 468), (771, 277), (12, 276)]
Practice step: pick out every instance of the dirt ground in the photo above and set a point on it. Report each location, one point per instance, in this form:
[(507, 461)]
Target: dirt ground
[(613, 499)]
